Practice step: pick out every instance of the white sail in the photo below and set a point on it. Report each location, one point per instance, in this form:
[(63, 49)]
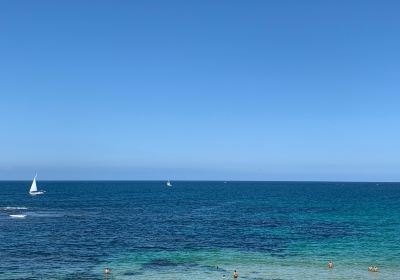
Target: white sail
[(33, 186)]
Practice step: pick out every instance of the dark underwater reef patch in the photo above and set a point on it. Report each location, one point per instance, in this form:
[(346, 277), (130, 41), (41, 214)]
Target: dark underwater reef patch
[(81, 276), (159, 264), (133, 273)]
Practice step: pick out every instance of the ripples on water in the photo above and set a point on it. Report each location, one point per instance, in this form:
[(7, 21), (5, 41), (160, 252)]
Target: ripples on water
[(143, 230)]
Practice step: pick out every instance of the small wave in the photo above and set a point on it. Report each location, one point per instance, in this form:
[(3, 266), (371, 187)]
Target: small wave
[(19, 216), (14, 208)]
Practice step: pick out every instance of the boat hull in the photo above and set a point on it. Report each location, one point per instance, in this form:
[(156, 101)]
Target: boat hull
[(37, 193)]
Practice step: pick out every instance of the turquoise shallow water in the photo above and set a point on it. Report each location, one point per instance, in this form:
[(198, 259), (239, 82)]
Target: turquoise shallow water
[(143, 230)]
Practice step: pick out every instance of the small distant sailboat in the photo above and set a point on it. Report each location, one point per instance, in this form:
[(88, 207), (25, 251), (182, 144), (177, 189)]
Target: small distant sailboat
[(33, 190), (169, 184)]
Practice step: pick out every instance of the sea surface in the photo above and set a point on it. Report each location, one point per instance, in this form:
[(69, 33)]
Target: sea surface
[(143, 230)]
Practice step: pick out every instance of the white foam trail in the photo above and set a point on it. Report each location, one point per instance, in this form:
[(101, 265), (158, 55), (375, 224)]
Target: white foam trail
[(14, 208), (19, 216)]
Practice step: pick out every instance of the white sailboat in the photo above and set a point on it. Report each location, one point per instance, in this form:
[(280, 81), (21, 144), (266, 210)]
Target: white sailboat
[(169, 184), (33, 190)]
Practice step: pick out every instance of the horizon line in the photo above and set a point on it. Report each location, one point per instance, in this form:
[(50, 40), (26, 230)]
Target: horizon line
[(197, 180)]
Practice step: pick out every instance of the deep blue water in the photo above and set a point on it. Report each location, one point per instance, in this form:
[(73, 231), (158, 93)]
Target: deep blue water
[(268, 230)]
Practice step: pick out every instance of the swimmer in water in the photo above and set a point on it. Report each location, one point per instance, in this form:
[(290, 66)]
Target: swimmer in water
[(330, 264), (107, 270), (235, 275), (373, 269)]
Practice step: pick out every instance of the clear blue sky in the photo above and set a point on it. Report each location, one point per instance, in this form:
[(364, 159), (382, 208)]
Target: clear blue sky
[(263, 90)]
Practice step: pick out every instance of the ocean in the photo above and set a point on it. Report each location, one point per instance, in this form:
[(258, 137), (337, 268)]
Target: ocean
[(199, 230)]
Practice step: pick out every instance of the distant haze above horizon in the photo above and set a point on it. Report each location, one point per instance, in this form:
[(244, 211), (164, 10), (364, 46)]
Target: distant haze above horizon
[(200, 90)]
